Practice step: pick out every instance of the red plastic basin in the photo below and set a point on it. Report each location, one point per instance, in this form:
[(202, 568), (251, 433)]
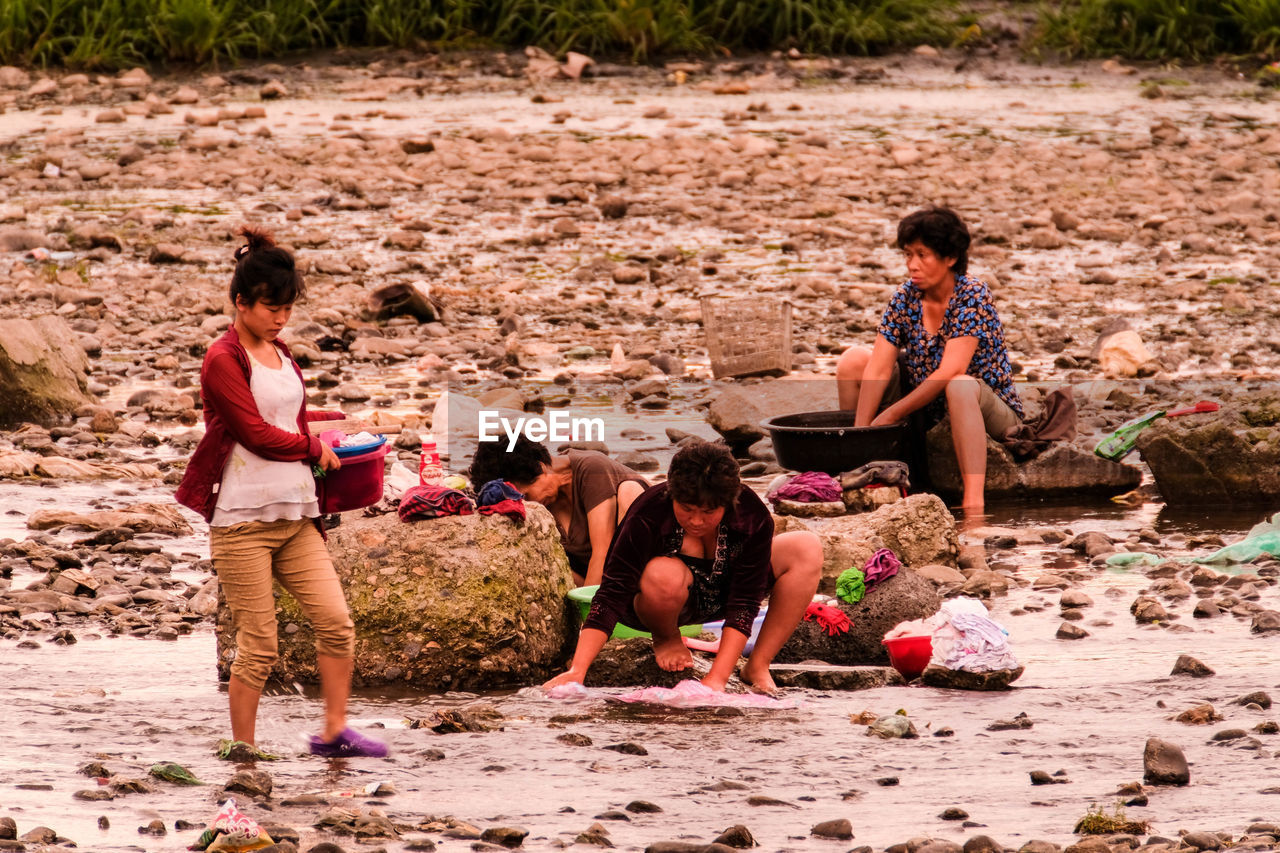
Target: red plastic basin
[(909, 655), (357, 484)]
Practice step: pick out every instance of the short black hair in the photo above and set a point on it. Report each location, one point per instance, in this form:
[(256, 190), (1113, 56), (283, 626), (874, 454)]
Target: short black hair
[(941, 230), (265, 272), (704, 474), (521, 464)]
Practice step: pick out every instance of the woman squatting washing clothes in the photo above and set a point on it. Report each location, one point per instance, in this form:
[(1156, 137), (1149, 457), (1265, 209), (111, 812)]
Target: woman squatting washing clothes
[(696, 548)]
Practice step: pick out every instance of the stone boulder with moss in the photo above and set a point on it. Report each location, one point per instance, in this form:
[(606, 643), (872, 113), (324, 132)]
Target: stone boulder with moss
[(1229, 457), (462, 602), (919, 530)]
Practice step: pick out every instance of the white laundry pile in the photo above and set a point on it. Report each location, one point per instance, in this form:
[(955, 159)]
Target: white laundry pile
[(687, 694), (965, 638)]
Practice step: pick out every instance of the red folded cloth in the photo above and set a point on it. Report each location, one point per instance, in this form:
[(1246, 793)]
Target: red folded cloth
[(511, 509), (422, 502)]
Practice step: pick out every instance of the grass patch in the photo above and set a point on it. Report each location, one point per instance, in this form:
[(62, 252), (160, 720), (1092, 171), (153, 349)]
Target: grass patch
[(119, 33), (1097, 822), (1160, 29)]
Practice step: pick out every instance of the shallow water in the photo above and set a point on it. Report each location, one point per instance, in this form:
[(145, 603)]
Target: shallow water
[(130, 703)]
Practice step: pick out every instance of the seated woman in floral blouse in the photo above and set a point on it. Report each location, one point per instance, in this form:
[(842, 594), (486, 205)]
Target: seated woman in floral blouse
[(945, 324)]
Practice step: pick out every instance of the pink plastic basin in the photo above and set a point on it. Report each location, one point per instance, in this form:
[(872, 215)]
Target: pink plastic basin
[(356, 485)]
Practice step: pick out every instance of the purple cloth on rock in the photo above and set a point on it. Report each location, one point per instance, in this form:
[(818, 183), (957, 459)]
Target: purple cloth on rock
[(809, 487), (883, 565)]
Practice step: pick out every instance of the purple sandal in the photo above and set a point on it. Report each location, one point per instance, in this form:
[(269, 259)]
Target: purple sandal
[(348, 744)]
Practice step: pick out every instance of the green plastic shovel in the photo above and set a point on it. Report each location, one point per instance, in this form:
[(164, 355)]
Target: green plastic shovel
[(1120, 443)]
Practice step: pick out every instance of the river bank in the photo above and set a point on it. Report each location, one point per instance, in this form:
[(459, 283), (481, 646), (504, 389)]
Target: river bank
[(1091, 200)]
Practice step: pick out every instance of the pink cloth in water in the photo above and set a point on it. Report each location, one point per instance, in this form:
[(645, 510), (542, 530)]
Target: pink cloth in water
[(687, 694)]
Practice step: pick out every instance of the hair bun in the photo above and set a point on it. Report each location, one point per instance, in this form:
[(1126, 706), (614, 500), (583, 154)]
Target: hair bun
[(257, 239)]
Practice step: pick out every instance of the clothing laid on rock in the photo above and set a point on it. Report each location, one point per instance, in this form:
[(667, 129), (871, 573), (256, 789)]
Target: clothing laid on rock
[(851, 586), (970, 313), (502, 498), (832, 620), (419, 503), (595, 479), (1056, 422), (809, 487), (881, 565), (889, 472), (966, 639), (731, 583)]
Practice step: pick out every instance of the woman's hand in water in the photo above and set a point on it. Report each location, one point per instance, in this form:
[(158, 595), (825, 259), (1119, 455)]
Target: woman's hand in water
[(569, 677), (328, 460)]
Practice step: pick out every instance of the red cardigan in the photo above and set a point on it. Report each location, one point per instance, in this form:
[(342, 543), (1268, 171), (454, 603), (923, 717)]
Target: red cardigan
[(231, 416)]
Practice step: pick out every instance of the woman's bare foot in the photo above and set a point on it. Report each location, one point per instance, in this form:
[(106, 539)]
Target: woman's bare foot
[(672, 654), (758, 678)]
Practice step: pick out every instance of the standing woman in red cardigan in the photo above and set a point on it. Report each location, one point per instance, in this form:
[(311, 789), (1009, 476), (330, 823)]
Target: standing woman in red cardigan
[(251, 479)]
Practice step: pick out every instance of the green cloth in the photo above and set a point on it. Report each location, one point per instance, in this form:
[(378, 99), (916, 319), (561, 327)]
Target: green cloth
[(851, 585)]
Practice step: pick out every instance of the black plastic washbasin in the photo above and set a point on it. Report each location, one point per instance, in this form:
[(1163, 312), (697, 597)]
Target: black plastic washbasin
[(829, 442)]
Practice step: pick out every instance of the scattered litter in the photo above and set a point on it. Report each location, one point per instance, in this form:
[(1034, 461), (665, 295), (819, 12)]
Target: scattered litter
[(172, 772), (232, 830), (1133, 558), (1262, 538)]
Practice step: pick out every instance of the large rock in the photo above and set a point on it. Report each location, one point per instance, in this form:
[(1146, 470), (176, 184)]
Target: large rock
[(819, 676), (919, 530), (461, 602), (959, 679), (1122, 353), (1227, 457), (43, 371), (1163, 763), (737, 410), (630, 663), (1063, 470), (903, 597)]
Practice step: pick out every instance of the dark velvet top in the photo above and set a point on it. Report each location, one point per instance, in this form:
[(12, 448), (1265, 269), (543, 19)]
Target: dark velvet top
[(740, 568)]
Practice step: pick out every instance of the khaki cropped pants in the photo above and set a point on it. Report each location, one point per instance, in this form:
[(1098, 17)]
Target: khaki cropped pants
[(247, 557)]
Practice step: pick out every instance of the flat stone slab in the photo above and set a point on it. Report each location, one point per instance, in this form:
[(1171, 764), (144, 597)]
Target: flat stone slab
[(818, 676), (955, 679)]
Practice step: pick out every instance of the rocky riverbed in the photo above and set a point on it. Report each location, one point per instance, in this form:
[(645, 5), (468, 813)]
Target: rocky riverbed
[(566, 230)]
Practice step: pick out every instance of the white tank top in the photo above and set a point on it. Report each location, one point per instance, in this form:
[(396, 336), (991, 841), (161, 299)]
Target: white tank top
[(257, 489)]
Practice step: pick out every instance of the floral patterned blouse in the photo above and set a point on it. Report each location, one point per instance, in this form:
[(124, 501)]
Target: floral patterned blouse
[(970, 313)]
